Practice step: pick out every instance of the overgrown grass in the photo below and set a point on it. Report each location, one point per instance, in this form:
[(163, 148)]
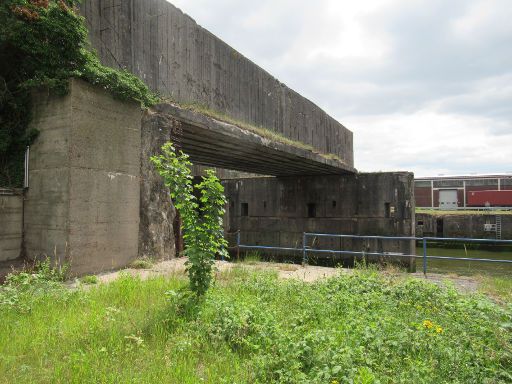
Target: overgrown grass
[(251, 258), (254, 328), (498, 287), (261, 131), (142, 263), (89, 280)]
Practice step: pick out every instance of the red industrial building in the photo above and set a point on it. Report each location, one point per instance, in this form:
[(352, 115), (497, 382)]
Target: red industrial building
[(452, 192)]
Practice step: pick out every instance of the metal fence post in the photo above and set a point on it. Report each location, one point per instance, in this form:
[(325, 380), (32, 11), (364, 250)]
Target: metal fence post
[(304, 255), (238, 245), (425, 257)]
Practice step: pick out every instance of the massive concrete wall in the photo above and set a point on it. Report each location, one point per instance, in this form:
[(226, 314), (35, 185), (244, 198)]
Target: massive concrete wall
[(11, 225), (82, 205), (279, 210), (178, 58), (462, 225), (159, 234)]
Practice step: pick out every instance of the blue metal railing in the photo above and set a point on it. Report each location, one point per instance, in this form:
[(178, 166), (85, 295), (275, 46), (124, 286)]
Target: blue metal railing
[(305, 249)]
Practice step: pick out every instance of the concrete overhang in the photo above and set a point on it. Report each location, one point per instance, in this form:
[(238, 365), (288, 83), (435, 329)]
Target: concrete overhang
[(215, 143)]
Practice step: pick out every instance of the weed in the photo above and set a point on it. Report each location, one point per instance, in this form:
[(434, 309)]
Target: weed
[(89, 280), (497, 287), (142, 263), (288, 267), (252, 258), (22, 289)]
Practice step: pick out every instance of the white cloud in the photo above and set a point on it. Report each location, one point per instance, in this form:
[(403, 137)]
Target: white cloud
[(425, 84), (430, 143), (484, 19)]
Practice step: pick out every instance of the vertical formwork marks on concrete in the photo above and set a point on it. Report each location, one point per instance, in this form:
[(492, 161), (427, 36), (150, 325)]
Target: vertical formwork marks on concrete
[(83, 203)]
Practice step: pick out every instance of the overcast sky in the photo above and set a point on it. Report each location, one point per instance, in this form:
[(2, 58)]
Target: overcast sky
[(425, 85)]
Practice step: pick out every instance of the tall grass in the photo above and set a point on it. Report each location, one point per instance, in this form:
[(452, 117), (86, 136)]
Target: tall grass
[(499, 287), (254, 328)]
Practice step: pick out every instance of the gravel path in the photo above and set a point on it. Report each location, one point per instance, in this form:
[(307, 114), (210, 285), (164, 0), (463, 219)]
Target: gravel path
[(285, 271)]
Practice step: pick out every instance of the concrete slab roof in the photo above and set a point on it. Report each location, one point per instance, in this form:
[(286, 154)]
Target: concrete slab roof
[(215, 143)]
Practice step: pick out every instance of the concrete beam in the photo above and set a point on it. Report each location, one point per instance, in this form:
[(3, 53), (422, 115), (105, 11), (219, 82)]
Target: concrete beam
[(216, 143)]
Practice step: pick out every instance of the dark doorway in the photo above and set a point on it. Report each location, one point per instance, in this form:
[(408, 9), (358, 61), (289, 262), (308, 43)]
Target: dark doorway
[(311, 210), (440, 227), (387, 210), (244, 209)]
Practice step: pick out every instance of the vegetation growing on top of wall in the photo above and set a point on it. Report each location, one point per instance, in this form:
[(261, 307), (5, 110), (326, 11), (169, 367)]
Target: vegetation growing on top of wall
[(261, 131), (463, 212), (44, 43)]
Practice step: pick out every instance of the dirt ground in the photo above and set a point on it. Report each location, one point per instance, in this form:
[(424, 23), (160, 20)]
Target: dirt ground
[(285, 271)]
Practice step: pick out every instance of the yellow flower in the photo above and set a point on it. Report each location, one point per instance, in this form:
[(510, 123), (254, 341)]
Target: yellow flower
[(439, 329), (428, 324), (335, 382)]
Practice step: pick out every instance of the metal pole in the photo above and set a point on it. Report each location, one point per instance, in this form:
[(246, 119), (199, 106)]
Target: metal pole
[(238, 245), (425, 257), (27, 159), (304, 255)]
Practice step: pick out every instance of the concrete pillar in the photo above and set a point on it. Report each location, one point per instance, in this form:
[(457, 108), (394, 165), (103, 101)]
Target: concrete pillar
[(11, 228), (83, 200)]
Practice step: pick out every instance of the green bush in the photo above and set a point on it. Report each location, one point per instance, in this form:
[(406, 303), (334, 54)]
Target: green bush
[(360, 329), (202, 218)]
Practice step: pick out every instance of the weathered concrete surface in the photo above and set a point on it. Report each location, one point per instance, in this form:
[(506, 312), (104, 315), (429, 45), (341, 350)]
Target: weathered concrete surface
[(158, 221), (212, 142), (279, 210), (178, 58), (464, 225), (223, 173), (83, 202), (11, 225)]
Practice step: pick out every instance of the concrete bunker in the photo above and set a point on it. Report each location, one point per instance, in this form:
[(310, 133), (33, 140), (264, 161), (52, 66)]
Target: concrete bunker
[(94, 199)]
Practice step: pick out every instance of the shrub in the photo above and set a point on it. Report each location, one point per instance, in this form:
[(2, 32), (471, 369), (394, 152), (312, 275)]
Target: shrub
[(202, 218)]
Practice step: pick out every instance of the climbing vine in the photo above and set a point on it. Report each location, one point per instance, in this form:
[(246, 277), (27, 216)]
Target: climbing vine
[(45, 42), (201, 216)]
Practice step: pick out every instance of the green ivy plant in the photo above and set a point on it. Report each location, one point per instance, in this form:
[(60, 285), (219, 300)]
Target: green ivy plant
[(45, 42), (201, 216)]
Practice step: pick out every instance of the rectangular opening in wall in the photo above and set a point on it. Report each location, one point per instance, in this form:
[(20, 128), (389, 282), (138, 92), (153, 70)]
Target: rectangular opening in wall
[(244, 208), (420, 222), (334, 203), (440, 227), (311, 210), (389, 210)]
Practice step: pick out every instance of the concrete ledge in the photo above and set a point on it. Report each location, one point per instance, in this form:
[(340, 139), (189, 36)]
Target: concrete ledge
[(215, 143)]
